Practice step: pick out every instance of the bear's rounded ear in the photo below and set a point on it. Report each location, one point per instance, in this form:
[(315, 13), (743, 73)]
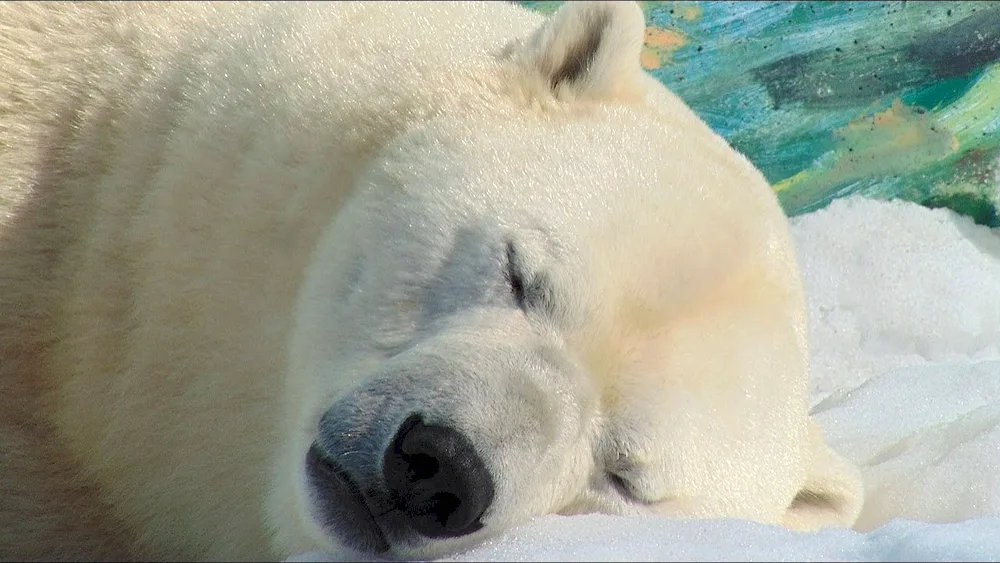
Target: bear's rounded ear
[(833, 492), (587, 49)]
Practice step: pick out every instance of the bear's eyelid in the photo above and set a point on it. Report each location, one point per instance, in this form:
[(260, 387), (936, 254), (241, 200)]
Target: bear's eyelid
[(620, 484), (515, 277), (532, 290)]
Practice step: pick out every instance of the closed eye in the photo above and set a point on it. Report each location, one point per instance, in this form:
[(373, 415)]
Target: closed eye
[(621, 485), (515, 277), (531, 289), (630, 489)]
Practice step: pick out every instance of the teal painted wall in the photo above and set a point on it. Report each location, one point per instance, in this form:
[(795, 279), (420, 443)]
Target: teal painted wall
[(886, 99)]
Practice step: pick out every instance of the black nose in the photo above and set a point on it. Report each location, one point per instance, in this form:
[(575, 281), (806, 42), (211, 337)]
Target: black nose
[(439, 481)]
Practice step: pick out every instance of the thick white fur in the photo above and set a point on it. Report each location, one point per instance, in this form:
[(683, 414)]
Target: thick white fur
[(221, 220)]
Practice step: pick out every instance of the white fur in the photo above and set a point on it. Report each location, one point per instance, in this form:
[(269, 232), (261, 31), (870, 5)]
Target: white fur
[(223, 221)]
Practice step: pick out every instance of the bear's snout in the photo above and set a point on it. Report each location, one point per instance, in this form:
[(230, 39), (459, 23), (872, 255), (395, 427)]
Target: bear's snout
[(338, 499), (437, 478), (432, 483)]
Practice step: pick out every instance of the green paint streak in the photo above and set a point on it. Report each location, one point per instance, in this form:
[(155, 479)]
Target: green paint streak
[(547, 8), (980, 209), (975, 117)]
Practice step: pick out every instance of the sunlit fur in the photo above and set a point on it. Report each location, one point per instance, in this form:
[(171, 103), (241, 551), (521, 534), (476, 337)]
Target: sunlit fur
[(221, 221)]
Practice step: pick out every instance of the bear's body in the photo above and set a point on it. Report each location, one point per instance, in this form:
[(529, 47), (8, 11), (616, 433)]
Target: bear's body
[(234, 234)]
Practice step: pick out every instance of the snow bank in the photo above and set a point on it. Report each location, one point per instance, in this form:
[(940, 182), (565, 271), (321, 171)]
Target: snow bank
[(896, 284)]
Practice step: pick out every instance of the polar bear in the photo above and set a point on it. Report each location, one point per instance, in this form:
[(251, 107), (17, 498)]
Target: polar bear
[(380, 278)]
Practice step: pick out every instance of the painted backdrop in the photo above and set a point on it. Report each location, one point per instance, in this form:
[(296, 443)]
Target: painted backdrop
[(886, 99)]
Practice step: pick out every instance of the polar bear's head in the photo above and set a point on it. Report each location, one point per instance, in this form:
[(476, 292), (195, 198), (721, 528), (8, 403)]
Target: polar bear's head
[(571, 301)]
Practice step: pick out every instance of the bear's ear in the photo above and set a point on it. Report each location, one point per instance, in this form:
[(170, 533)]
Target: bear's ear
[(833, 492), (588, 49)]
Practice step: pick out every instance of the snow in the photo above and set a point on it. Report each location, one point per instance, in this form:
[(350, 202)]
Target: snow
[(904, 306)]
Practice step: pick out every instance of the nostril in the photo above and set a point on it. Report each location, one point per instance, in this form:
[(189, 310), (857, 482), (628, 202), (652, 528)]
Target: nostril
[(421, 466), (438, 479)]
